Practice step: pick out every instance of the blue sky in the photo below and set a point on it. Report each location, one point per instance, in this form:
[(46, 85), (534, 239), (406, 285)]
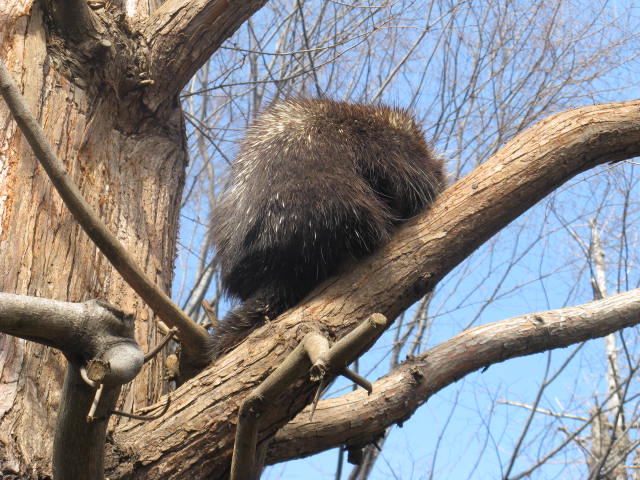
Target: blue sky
[(469, 429)]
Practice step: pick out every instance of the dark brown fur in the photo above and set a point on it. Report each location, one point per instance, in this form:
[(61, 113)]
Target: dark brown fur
[(316, 182)]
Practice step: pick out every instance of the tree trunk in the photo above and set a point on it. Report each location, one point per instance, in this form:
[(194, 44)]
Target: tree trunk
[(129, 163), (107, 99)]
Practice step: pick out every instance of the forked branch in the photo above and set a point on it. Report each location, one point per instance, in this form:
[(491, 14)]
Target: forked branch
[(397, 395), (419, 255), (96, 338), (311, 355), (182, 35)]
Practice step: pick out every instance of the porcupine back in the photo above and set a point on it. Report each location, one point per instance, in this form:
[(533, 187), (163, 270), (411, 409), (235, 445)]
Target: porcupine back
[(316, 182)]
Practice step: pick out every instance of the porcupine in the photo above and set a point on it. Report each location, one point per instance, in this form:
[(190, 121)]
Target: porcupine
[(316, 182)]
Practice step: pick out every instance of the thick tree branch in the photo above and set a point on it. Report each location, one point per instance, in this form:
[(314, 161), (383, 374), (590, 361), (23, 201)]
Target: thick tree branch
[(89, 332), (182, 35), (356, 418), (193, 336), (312, 356), (82, 331), (420, 254)]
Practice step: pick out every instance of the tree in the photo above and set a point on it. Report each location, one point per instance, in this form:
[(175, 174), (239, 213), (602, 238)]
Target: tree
[(115, 73)]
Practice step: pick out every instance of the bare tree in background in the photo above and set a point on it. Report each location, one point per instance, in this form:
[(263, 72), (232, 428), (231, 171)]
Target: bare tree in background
[(476, 73)]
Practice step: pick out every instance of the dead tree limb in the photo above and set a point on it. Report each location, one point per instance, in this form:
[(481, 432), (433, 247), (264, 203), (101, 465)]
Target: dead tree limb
[(312, 355)]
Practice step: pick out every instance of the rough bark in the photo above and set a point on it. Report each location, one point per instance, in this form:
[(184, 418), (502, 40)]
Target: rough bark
[(187, 32), (193, 337), (198, 431), (45, 254), (129, 160)]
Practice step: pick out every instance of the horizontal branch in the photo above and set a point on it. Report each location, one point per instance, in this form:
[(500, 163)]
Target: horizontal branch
[(82, 331), (419, 255), (183, 34), (357, 417)]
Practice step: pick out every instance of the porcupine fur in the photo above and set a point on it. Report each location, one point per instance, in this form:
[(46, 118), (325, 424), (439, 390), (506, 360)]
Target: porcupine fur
[(316, 182)]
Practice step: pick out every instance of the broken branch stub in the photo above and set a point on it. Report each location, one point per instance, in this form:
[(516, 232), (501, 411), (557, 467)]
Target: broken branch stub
[(312, 352)]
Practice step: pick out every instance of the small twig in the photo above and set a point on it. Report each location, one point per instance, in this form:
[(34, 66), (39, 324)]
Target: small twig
[(145, 418), (154, 351), (357, 379), (210, 312), (322, 386), (96, 400)]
